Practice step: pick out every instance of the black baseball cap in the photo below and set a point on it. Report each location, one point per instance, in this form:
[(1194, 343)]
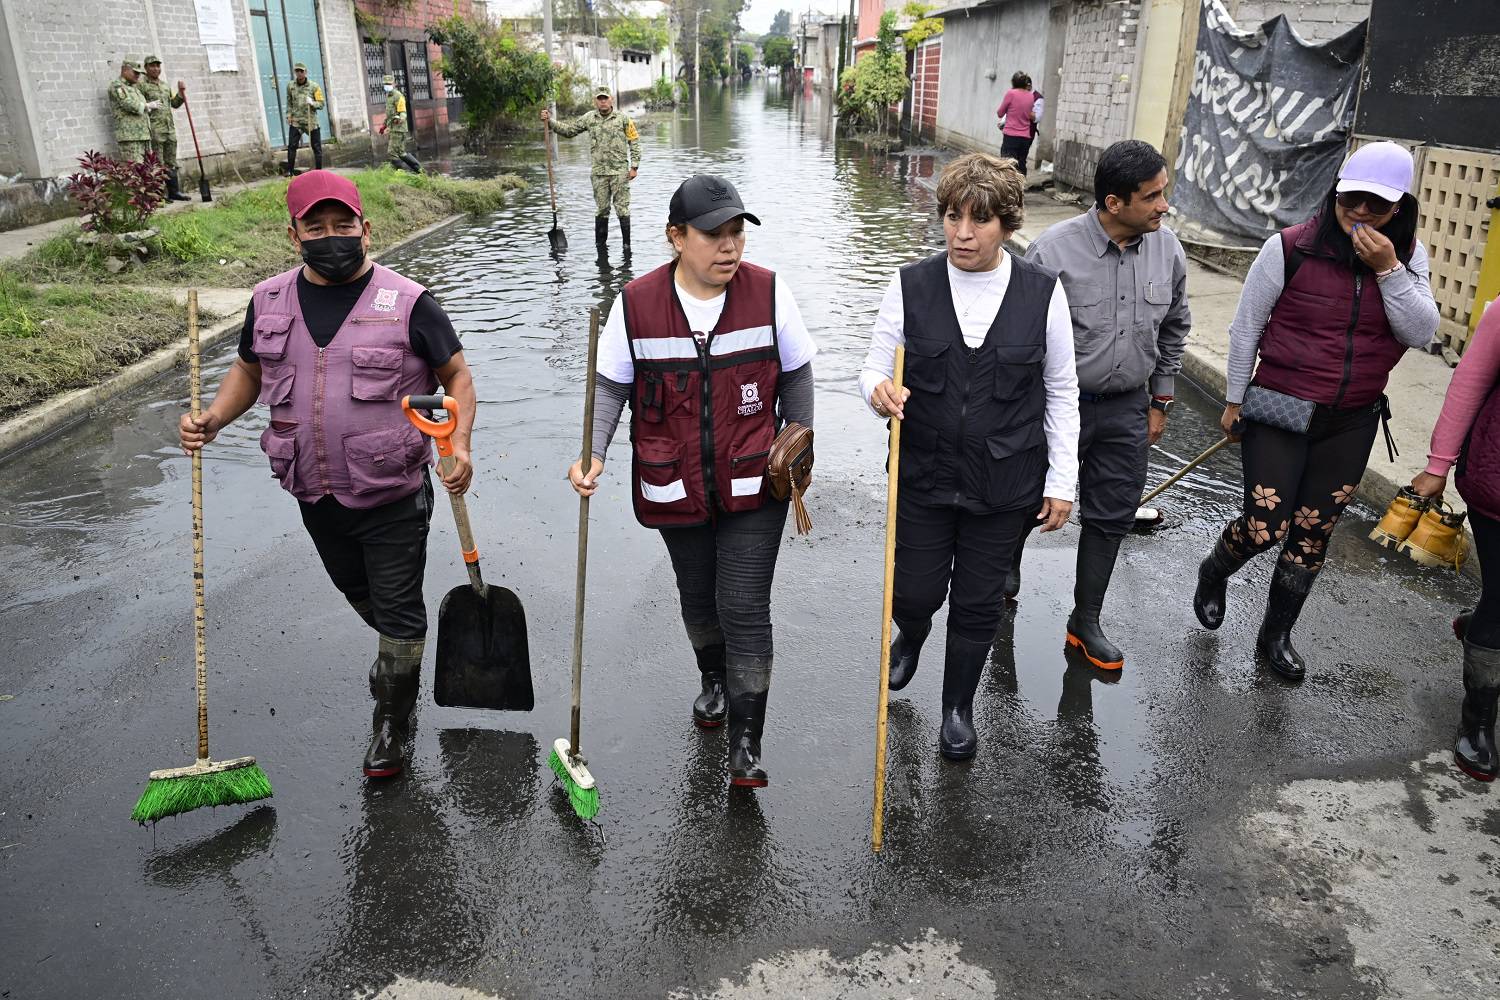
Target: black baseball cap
[(706, 201)]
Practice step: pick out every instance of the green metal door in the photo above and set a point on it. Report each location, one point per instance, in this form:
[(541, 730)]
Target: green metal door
[(286, 33)]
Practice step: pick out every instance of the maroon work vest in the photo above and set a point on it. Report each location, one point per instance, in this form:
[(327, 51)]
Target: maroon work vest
[(1328, 339), (336, 423), (703, 412)]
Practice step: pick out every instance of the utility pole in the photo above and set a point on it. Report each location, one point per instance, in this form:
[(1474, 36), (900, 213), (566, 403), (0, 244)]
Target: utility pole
[(697, 52)]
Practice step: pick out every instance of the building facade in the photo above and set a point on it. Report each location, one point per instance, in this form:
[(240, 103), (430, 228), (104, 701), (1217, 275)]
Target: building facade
[(393, 40)]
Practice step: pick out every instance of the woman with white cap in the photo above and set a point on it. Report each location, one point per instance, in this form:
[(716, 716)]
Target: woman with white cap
[(1329, 308)]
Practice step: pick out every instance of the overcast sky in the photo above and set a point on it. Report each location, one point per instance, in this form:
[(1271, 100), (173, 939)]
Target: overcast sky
[(756, 18)]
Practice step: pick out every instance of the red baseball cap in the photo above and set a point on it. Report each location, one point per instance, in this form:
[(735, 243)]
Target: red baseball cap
[(306, 190)]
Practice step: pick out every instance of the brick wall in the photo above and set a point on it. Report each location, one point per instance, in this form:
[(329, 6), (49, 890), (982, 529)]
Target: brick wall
[(1095, 91), (427, 118), (926, 74), (67, 52), (1315, 20)]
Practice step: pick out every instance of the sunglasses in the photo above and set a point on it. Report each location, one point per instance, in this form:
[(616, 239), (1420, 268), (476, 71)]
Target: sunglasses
[(1377, 205)]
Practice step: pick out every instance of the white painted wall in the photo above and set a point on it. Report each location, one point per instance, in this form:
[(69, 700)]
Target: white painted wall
[(982, 47)]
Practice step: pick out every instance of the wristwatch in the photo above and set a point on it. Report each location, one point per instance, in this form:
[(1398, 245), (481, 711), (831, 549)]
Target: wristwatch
[(1162, 403)]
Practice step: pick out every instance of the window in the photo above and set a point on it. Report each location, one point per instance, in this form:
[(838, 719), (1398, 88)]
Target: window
[(374, 71), (416, 72)]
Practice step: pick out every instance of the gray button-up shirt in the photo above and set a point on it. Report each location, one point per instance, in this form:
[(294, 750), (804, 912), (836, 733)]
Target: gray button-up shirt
[(1130, 309)]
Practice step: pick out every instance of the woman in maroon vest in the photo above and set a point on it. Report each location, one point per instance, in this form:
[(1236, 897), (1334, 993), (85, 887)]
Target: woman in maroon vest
[(1468, 433), (1329, 307), (713, 357)]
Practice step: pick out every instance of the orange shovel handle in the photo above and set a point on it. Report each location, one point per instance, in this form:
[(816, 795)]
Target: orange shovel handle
[(439, 430)]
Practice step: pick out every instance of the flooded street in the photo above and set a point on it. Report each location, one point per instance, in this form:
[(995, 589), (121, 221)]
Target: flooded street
[(1149, 835)]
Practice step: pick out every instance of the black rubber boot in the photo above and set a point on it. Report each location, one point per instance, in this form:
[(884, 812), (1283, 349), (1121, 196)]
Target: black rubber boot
[(1213, 583), (174, 188), (905, 649), (625, 234), (412, 163), (1474, 750), (398, 670), (1461, 624), (962, 668), (709, 707), (1096, 564), (749, 683), (1289, 589), (601, 235)]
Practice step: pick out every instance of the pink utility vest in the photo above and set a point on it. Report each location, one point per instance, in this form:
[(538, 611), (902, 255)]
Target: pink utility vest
[(336, 423), (703, 415)]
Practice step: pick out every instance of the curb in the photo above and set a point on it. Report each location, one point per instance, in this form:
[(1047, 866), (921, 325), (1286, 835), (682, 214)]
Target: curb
[(41, 421)]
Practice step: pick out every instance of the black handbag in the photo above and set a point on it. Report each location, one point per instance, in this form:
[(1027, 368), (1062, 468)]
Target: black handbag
[(1277, 409)]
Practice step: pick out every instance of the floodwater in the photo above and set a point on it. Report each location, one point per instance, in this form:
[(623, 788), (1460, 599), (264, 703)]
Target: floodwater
[(1093, 847)]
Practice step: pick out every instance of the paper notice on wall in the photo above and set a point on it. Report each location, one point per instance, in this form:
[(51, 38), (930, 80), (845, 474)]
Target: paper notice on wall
[(216, 33), (221, 58)]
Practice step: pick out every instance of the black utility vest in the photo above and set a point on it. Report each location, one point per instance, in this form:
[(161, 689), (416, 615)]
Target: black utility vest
[(973, 432)]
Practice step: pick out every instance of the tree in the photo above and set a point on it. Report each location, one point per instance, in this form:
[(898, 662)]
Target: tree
[(639, 35), (709, 24), (781, 24), (869, 87), (500, 78), (744, 55), (777, 51), (924, 28)]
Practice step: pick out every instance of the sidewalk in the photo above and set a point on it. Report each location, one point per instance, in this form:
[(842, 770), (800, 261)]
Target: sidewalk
[(1416, 388)]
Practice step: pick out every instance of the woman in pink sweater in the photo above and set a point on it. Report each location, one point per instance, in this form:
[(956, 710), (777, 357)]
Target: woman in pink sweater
[(1468, 435), (1018, 113)]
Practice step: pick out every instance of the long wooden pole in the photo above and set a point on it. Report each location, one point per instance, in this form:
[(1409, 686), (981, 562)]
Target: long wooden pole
[(200, 617), (587, 459), (893, 468)]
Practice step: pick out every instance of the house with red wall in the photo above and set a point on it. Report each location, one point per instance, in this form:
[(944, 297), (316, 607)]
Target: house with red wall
[(394, 40)]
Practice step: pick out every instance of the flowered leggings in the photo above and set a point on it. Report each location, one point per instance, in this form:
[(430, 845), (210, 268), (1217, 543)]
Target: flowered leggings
[(1297, 485)]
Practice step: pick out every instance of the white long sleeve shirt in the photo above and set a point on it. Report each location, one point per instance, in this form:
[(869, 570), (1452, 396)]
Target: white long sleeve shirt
[(976, 300)]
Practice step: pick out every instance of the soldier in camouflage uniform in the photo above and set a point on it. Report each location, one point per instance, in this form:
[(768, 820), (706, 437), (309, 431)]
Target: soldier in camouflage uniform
[(128, 107), (397, 126), (615, 147), (160, 100), (303, 100)]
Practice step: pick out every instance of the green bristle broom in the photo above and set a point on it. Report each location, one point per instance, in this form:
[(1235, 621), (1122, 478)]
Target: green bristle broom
[(205, 782), (566, 760)]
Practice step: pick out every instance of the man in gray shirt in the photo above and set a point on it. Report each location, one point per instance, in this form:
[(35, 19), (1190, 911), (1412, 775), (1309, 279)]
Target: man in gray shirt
[(1126, 280)]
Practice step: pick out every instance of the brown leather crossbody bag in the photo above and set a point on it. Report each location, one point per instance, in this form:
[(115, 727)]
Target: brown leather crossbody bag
[(790, 470)]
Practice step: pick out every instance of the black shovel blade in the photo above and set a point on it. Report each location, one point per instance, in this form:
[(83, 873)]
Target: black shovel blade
[(558, 239), (482, 657), (204, 194)]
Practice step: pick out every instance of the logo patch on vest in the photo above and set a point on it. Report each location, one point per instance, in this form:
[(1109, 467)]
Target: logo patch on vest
[(750, 399), (385, 300)]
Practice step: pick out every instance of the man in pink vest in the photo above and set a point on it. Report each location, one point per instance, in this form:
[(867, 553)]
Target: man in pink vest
[(330, 347)]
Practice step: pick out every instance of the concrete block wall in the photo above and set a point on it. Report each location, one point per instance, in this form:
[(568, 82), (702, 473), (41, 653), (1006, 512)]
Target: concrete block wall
[(65, 52), (1096, 91), (344, 67), (1315, 20)]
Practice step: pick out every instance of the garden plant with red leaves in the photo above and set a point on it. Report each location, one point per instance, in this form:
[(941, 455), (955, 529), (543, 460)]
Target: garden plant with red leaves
[(114, 196)]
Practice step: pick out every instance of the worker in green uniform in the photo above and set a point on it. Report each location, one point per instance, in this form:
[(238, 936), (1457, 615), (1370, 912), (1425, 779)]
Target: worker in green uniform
[(397, 126), (304, 99), (160, 100), (127, 106), (615, 147)]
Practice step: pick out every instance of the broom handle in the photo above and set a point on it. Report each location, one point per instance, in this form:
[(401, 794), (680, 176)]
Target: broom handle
[(586, 462), (1183, 471), (877, 827), (200, 626)]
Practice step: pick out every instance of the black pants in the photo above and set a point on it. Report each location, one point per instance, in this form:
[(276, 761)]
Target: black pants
[(1113, 451), (377, 555), (1017, 148), (1297, 485), (724, 573), (946, 552), (1484, 627), (294, 140)]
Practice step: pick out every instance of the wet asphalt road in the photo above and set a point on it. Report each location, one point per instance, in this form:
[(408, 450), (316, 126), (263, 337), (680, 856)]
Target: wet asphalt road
[(1110, 839)]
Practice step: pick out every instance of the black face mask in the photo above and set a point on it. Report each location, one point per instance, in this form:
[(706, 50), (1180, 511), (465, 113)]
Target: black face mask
[(335, 258)]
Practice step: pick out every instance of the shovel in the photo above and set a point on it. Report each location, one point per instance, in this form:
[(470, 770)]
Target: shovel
[(203, 192), (1146, 516), (555, 235), (482, 656)]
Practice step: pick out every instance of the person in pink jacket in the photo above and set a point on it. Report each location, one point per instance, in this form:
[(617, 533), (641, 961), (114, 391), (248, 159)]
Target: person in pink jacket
[(1467, 435), (1019, 111)]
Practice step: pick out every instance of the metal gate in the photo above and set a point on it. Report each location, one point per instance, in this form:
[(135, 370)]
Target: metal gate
[(286, 33)]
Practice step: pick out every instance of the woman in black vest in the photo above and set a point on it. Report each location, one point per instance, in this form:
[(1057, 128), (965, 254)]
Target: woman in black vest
[(989, 440), (713, 356), (1328, 309)]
